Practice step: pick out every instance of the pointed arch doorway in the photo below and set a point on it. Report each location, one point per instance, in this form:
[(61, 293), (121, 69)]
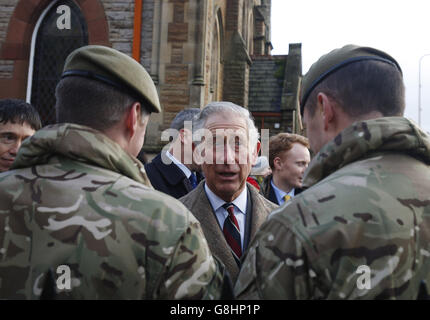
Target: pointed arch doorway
[(61, 28)]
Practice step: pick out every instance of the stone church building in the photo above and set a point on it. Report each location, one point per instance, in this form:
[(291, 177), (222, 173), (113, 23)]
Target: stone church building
[(196, 51)]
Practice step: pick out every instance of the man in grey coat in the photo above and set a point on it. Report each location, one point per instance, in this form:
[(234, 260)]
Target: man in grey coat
[(229, 211)]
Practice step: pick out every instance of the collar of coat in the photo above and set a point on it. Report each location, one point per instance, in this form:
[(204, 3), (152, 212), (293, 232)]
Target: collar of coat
[(79, 143), (364, 139)]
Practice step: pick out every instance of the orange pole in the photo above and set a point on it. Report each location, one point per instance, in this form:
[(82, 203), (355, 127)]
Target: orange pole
[(137, 29)]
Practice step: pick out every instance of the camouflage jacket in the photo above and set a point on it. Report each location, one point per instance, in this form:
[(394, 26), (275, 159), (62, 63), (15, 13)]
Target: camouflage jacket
[(362, 229), (76, 204)]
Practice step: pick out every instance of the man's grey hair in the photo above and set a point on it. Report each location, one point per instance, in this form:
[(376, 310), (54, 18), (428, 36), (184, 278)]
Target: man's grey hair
[(228, 107), (181, 117), (178, 122)]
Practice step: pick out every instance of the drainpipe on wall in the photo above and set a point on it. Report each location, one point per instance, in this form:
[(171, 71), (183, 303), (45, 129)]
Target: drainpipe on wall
[(137, 29)]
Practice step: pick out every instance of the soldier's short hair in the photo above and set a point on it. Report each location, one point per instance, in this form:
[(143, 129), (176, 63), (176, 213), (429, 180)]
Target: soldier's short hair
[(362, 87), (282, 142), (19, 111), (92, 103)]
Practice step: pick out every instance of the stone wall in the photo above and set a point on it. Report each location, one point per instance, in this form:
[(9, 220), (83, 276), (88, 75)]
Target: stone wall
[(176, 47), (290, 98), (236, 71), (6, 69), (174, 90), (147, 33), (6, 11), (120, 17)]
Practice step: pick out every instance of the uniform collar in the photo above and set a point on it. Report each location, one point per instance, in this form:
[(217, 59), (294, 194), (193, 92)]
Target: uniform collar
[(82, 144)]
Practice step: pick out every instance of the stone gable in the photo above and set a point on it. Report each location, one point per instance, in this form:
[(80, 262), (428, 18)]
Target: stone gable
[(196, 52)]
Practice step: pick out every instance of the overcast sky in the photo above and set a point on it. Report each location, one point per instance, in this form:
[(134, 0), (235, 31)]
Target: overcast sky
[(401, 28)]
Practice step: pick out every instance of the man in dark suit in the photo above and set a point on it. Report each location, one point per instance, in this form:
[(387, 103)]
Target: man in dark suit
[(288, 158), (229, 210), (174, 171)]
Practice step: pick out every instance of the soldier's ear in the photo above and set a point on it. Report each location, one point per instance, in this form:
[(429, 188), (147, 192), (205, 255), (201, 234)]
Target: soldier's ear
[(132, 118), (326, 105)]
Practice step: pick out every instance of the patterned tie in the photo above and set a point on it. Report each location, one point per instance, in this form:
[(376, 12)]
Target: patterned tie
[(287, 198), (193, 180), (231, 230)]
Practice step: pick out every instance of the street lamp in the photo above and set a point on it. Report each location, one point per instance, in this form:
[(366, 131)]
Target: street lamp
[(419, 89)]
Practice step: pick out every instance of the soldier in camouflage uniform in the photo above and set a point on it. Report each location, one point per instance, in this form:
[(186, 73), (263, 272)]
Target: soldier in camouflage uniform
[(78, 200), (362, 229)]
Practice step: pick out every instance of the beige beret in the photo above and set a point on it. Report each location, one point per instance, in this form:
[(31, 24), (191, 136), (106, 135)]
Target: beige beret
[(115, 68), (335, 60)]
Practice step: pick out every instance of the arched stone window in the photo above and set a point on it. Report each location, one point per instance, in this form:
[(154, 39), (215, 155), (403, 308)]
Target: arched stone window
[(61, 28)]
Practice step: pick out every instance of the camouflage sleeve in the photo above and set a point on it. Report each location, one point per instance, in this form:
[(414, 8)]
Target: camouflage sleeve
[(275, 266), (191, 271)]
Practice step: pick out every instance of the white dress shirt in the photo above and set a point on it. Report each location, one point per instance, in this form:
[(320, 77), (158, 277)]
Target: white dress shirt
[(280, 194), (239, 209)]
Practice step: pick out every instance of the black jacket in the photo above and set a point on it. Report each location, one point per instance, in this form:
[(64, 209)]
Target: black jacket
[(169, 178)]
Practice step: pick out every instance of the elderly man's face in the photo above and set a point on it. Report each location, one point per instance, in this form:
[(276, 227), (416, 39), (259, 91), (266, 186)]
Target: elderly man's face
[(230, 155), (11, 137)]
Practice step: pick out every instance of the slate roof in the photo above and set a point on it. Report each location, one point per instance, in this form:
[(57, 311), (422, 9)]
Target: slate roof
[(266, 80)]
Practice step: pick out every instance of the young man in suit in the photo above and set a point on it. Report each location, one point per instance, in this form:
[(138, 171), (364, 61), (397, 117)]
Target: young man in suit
[(172, 171), (288, 158), (229, 210)]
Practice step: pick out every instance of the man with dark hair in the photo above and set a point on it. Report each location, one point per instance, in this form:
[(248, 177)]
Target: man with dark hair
[(18, 121), (288, 158), (174, 171), (78, 206), (362, 228)]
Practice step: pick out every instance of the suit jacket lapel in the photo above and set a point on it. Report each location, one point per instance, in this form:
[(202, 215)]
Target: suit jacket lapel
[(172, 173), (272, 195), (248, 221), (212, 229), (198, 203), (259, 211), (199, 177)]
